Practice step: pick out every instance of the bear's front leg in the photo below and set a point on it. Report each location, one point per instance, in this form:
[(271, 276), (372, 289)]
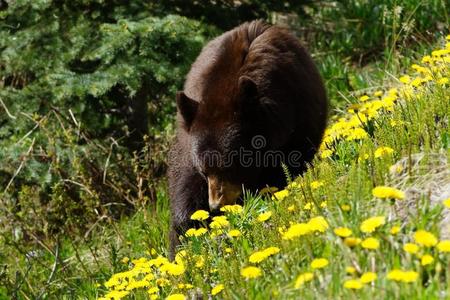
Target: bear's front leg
[(188, 193)]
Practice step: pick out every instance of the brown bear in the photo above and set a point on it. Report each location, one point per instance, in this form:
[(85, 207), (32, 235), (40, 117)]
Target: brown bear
[(252, 101)]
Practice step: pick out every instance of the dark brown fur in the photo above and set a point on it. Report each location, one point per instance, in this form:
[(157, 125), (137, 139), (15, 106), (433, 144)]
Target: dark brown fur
[(255, 80)]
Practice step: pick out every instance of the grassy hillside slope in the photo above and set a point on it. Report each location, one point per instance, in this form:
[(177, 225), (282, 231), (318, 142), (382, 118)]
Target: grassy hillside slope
[(364, 222)]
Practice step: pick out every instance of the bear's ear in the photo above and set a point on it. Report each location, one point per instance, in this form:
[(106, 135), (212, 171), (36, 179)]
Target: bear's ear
[(247, 87), (187, 108), (248, 92)]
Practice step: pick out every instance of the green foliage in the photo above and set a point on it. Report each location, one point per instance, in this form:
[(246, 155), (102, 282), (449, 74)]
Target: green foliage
[(381, 36), (76, 83), (226, 14)]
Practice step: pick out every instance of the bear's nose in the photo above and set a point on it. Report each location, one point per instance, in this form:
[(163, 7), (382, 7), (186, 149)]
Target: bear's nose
[(214, 207), (221, 193), (215, 199)]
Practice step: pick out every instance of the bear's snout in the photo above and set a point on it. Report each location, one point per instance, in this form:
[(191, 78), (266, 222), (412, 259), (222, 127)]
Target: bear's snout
[(221, 193)]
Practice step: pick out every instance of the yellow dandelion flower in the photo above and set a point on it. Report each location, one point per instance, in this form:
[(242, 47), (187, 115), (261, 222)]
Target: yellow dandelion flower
[(259, 256), (173, 269), (113, 281), (219, 222), (303, 278), (426, 260), (444, 246), (426, 59), (368, 277), (280, 195), (201, 231), (395, 275), (264, 216), (158, 261), (162, 282), (196, 232), (440, 52), (346, 207), (234, 233), (139, 261), (176, 297), (420, 69), (443, 80), (395, 230), (319, 263), (199, 262), (385, 192), (411, 248), (125, 260), (417, 81), (153, 290), (357, 134), (364, 98), (425, 238), (251, 272), (383, 151), (363, 157), (217, 289), (293, 185), (403, 276), (180, 256), (296, 230), (352, 242), (200, 215), (318, 224), (405, 79), (228, 250), (371, 224), (291, 208), (326, 153), (378, 93), (216, 232), (308, 206), (446, 202), (410, 276), (350, 270), (370, 243), (149, 276), (117, 294), (233, 209), (271, 250), (316, 184), (353, 284), (343, 231)]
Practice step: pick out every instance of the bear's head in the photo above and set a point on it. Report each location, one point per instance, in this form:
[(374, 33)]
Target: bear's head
[(220, 127)]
